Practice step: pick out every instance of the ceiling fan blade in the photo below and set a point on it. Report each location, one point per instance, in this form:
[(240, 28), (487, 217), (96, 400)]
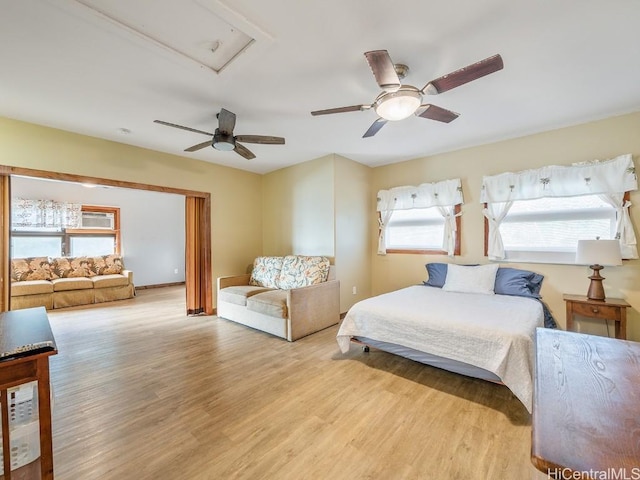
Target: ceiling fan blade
[(199, 146), (264, 139), (433, 112), (352, 108), (464, 75), (244, 151), (383, 69), (188, 129), (375, 127), (226, 121)]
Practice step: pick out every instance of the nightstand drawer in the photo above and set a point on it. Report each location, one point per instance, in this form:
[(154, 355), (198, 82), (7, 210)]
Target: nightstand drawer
[(598, 311)]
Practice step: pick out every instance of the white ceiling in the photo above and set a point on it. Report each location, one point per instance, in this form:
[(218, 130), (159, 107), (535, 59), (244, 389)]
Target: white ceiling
[(96, 67)]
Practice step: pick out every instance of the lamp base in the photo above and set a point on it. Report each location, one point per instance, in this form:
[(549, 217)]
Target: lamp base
[(596, 289)]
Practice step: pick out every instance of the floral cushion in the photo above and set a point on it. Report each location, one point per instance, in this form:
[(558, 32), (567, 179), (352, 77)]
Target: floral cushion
[(266, 271), (31, 268), (301, 271), (106, 264), (71, 267)]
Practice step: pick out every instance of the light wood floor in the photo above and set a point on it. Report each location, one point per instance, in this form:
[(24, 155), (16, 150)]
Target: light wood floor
[(144, 392)]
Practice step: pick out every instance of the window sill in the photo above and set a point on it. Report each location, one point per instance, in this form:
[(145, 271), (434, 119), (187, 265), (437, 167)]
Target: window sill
[(419, 252)]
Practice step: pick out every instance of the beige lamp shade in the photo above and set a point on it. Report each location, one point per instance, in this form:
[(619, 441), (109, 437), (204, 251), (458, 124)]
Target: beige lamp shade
[(599, 252)]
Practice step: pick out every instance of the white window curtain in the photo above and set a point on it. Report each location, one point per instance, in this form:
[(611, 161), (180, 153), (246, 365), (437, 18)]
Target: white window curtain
[(386, 205), (495, 213), (28, 213), (624, 228), (609, 178), (444, 195)]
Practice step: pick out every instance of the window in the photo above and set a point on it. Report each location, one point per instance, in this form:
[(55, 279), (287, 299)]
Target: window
[(32, 245), (548, 229), (91, 245), (99, 234), (418, 230), (420, 219), (539, 215)]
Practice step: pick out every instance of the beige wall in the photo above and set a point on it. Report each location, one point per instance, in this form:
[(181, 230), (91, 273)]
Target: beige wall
[(602, 139), (298, 209), (353, 201), (236, 219), (322, 207)]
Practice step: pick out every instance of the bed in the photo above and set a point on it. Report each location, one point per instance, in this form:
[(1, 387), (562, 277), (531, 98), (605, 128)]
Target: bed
[(488, 336)]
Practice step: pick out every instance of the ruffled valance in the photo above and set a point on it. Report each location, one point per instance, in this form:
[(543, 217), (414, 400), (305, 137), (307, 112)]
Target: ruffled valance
[(438, 194), (617, 175)]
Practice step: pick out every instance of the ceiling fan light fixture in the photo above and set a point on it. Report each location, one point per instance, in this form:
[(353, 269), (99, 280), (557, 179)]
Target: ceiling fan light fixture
[(223, 142), (398, 105)]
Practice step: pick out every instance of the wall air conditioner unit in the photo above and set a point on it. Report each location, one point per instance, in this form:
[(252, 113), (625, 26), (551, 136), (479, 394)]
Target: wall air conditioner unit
[(97, 220)]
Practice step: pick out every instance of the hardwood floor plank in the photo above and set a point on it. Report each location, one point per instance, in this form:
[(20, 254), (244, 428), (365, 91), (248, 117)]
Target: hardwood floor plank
[(142, 391)]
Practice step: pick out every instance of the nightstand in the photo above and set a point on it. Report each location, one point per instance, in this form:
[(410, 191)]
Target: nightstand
[(609, 309)]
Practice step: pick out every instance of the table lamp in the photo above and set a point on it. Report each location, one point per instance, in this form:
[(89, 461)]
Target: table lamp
[(597, 253)]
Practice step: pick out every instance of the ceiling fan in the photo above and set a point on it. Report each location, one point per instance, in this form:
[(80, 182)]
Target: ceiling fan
[(398, 101), (223, 139)]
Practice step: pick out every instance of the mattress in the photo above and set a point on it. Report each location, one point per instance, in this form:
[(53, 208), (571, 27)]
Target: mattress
[(492, 332)]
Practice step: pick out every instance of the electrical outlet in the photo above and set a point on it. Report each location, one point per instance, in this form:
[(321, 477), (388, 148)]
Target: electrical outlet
[(354, 290)]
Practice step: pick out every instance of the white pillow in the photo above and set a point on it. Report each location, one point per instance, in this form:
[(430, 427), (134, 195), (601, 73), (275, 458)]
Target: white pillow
[(480, 279)]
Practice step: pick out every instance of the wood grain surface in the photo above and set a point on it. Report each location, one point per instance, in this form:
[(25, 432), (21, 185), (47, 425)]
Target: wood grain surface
[(586, 410)]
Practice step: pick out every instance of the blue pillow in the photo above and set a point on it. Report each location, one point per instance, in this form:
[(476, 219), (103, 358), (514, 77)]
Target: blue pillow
[(437, 274), (522, 283)]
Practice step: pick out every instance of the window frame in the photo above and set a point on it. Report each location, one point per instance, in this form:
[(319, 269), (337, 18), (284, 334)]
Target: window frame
[(457, 209), (102, 232)]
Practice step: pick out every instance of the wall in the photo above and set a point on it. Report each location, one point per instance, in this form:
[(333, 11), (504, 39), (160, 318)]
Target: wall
[(236, 222), (298, 209), (353, 220), (596, 140), (322, 207), (151, 224)]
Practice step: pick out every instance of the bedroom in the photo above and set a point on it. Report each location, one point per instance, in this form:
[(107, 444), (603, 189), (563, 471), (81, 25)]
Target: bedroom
[(327, 203)]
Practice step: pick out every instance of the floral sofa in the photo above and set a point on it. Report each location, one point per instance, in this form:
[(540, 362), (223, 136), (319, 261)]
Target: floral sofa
[(68, 281), (291, 296)]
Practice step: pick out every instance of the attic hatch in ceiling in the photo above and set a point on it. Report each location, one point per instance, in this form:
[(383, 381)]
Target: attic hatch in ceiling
[(199, 30)]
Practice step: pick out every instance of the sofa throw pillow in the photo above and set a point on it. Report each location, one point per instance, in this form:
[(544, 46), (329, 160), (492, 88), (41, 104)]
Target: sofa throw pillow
[(301, 271), (71, 267), (30, 268), (466, 279), (265, 272), (106, 264), (521, 283)]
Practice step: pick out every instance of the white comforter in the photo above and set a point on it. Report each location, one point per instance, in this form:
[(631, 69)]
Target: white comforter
[(494, 332)]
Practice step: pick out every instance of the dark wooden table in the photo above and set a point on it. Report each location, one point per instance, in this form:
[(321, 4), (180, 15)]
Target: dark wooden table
[(586, 405), (609, 309), (17, 366)]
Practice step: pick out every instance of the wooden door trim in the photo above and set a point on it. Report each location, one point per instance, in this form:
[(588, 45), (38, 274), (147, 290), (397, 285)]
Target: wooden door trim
[(71, 177)]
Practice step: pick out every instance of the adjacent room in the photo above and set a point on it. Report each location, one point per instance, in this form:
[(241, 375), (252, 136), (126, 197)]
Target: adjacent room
[(283, 240), (143, 230)]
